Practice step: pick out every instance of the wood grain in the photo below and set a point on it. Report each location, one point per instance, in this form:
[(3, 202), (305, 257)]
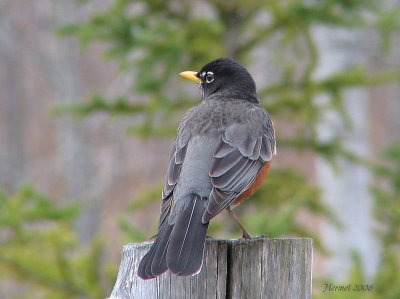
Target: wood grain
[(257, 268)]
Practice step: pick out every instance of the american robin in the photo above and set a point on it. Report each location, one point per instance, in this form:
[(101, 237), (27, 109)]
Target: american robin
[(221, 155)]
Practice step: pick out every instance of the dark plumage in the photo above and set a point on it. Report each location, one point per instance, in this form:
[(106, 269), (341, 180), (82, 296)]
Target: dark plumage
[(223, 148), (230, 77)]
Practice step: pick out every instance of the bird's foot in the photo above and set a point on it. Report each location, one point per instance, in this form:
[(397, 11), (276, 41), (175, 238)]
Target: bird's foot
[(246, 236)]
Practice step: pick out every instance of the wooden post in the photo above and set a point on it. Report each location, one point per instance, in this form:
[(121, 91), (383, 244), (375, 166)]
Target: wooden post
[(258, 268)]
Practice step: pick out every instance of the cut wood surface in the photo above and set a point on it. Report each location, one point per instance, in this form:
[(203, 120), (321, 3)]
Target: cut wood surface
[(257, 268)]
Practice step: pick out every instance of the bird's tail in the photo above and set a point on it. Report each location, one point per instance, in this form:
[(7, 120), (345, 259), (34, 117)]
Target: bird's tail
[(179, 246)]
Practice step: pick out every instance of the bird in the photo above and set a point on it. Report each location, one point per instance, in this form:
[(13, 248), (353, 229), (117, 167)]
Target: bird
[(223, 151)]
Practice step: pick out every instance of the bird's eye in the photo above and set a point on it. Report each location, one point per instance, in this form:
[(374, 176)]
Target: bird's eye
[(209, 77)]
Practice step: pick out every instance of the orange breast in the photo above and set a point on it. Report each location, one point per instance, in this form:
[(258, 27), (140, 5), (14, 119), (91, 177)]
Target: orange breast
[(253, 187)]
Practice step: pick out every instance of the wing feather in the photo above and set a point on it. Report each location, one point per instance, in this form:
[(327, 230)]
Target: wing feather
[(175, 166), (243, 150)]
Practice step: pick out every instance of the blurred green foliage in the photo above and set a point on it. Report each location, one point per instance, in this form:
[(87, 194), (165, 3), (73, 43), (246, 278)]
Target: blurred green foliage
[(387, 211), (386, 192), (40, 252), (152, 41), (355, 278)]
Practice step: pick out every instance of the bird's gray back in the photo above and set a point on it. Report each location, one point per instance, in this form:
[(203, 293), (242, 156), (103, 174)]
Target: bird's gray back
[(200, 130)]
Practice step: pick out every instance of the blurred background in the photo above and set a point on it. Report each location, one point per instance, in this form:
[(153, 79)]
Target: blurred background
[(90, 101)]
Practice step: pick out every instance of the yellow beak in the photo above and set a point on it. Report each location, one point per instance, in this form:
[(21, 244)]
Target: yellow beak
[(191, 76)]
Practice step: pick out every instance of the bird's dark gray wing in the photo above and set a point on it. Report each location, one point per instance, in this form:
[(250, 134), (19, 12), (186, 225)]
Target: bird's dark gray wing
[(241, 153), (175, 165), (172, 176)]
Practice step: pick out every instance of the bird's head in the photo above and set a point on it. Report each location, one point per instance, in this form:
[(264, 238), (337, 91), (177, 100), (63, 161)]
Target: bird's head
[(226, 77)]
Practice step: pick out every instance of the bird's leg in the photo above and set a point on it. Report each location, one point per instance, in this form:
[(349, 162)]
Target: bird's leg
[(246, 234), (153, 237)]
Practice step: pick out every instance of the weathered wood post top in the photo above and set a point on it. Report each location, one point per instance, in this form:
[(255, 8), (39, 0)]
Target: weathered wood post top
[(258, 268)]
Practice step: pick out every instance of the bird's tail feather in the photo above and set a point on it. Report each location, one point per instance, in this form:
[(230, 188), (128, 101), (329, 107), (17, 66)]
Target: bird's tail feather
[(185, 250), (179, 246), (154, 262)]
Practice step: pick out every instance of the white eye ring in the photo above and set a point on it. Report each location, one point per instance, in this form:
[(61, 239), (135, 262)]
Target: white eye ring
[(209, 77)]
